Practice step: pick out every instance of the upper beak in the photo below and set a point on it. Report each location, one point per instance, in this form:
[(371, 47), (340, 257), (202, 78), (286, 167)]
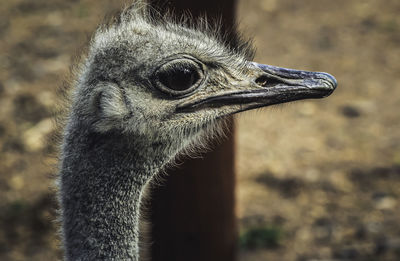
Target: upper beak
[(267, 85)]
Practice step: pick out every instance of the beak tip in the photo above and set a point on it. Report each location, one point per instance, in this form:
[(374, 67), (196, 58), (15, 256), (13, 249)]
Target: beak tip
[(330, 80)]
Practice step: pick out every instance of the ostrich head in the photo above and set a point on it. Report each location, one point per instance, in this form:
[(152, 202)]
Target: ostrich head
[(148, 89), (158, 79)]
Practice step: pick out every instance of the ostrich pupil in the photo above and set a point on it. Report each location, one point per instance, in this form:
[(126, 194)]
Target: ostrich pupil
[(179, 79)]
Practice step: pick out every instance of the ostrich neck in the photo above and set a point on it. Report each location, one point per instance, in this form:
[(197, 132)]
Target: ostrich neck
[(102, 178)]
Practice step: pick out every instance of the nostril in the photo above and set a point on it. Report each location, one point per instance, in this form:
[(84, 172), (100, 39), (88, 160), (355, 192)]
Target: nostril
[(266, 81), (262, 81)]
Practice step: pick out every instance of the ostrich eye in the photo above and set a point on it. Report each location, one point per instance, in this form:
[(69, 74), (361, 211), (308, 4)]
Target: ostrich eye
[(179, 77)]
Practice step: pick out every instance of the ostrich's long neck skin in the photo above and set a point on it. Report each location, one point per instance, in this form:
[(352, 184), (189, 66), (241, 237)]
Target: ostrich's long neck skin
[(102, 179)]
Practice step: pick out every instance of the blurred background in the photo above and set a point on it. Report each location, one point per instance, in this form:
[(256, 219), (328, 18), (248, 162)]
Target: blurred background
[(317, 179)]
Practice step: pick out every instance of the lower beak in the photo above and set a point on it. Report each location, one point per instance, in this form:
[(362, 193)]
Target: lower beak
[(269, 85)]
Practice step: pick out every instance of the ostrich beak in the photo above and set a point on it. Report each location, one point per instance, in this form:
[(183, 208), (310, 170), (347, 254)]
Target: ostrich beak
[(267, 85)]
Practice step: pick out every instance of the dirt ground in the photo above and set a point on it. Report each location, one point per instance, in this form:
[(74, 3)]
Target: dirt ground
[(321, 178)]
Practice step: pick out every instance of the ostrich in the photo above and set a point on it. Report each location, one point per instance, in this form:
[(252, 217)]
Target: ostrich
[(148, 90)]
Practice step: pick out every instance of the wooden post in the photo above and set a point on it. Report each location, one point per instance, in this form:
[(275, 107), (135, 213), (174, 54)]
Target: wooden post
[(193, 214)]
